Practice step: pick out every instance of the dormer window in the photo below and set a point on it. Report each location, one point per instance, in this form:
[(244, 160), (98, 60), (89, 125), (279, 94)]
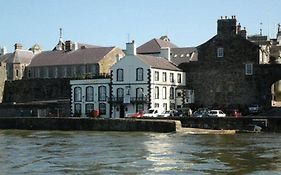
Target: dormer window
[(220, 52)]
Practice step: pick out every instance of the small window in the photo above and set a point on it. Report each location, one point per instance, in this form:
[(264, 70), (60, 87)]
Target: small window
[(164, 93), (77, 109), (102, 108), (77, 94), (179, 78), (156, 92), (220, 52), (102, 93), (156, 76), (249, 69), (164, 77), (17, 73), (165, 106), (89, 93), (120, 75), (120, 94), (172, 78), (139, 76), (172, 93), (89, 108), (156, 105)]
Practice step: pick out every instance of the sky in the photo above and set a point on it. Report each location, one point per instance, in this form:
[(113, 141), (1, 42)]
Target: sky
[(187, 23)]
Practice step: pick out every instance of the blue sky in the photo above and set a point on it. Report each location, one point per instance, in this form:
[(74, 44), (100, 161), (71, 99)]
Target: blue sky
[(113, 22)]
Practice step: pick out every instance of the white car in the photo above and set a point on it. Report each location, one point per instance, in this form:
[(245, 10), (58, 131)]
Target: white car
[(216, 113), (153, 112)]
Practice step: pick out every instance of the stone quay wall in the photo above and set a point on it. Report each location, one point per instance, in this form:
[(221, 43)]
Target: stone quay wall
[(89, 124)]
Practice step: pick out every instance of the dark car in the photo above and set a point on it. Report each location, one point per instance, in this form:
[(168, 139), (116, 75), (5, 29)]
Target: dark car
[(201, 112)]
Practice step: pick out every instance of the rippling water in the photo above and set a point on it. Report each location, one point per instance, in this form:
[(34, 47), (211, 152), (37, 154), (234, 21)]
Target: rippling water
[(55, 152)]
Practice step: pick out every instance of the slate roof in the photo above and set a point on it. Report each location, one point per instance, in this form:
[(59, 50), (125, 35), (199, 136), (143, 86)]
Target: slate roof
[(154, 46), (79, 56), (183, 55), (19, 56), (158, 62)]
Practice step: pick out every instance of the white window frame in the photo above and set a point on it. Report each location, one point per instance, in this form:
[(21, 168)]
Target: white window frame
[(249, 69), (220, 52)]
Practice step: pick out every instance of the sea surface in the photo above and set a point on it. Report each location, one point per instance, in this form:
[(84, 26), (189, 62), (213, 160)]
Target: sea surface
[(129, 153)]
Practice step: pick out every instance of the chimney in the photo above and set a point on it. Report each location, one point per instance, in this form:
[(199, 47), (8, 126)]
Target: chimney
[(3, 51), (74, 46), (68, 44), (18, 46), (165, 52), (131, 48)]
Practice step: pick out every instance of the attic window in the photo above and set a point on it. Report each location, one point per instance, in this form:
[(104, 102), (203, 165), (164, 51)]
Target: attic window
[(188, 55), (182, 55), (175, 55), (220, 52)]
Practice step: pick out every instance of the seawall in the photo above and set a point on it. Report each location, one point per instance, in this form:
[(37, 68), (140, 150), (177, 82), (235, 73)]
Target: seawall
[(89, 124)]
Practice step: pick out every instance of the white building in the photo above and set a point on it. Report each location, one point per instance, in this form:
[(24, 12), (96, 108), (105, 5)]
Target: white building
[(140, 82), (88, 95)]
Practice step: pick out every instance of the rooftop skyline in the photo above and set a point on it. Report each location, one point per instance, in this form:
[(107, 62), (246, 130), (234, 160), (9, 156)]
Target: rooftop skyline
[(113, 23)]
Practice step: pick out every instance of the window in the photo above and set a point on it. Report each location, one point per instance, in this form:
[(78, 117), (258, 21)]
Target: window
[(120, 94), (139, 76), (77, 109), (164, 93), (165, 106), (172, 93), (17, 73), (164, 76), (140, 107), (156, 92), (172, 77), (89, 93), (89, 108), (139, 92), (119, 74), (179, 78), (77, 94), (102, 93), (249, 69), (102, 108), (156, 105), (220, 52), (178, 94), (156, 76)]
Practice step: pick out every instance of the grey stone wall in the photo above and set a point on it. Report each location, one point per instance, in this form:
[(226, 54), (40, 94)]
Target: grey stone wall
[(222, 82), (3, 78), (36, 90)]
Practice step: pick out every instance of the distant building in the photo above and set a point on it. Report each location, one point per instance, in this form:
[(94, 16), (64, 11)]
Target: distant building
[(73, 60), (178, 55), (16, 62)]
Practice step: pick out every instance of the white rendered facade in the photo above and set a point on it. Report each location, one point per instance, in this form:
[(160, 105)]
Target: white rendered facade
[(88, 95), (137, 85)]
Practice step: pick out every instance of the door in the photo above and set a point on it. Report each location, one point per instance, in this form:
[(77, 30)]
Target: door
[(122, 111)]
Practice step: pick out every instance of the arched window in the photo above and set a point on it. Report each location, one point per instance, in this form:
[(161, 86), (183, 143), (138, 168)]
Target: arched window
[(139, 74), (164, 93), (102, 93), (139, 92), (77, 94), (89, 93), (119, 75), (102, 108), (120, 93)]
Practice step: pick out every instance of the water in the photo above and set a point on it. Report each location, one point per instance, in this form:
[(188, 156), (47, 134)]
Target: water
[(55, 152)]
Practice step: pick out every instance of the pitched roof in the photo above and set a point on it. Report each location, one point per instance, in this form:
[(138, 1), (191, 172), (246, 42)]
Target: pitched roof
[(19, 56), (154, 46), (183, 55), (158, 62), (79, 56)]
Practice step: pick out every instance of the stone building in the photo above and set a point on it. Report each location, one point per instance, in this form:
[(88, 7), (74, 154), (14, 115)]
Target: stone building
[(73, 60), (16, 62), (226, 73)]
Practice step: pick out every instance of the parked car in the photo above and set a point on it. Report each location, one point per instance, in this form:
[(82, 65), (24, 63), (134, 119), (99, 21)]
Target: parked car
[(137, 115), (153, 112), (183, 112), (235, 113), (169, 113), (216, 113), (201, 112), (254, 109)]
